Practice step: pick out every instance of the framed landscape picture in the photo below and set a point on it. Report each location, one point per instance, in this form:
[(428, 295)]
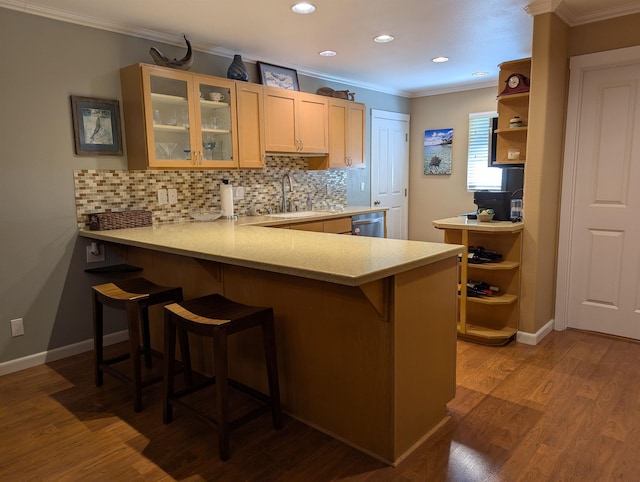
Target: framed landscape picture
[(96, 126), (438, 144), (275, 76)]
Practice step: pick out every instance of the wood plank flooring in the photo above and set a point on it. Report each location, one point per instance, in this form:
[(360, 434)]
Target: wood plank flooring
[(565, 410)]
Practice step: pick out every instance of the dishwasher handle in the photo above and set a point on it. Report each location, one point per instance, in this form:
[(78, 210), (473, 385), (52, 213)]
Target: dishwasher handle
[(366, 221)]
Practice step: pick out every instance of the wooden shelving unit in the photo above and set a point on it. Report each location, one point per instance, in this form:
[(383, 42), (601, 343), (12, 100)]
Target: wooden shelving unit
[(509, 106), (488, 320)]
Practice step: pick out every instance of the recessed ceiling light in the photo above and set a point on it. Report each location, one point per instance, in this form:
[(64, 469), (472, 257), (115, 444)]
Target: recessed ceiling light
[(383, 38), (303, 7), (438, 60), (328, 53), (480, 74)]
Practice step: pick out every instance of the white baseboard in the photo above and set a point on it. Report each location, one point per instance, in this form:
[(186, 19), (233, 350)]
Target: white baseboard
[(58, 353), (535, 338)]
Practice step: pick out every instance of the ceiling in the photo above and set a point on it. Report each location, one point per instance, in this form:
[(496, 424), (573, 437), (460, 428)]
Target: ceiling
[(476, 35)]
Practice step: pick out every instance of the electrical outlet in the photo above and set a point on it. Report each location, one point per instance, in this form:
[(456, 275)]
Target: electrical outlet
[(92, 257), (238, 193), (17, 327), (173, 196), (329, 190), (163, 197)]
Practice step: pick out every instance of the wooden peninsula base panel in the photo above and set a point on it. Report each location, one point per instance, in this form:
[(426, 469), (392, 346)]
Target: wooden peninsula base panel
[(371, 362), (372, 365)]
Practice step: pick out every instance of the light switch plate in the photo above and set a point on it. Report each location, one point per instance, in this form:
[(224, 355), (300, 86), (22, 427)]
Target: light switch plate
[(238, 192), (163, 197), (173, 196), (17, 327)]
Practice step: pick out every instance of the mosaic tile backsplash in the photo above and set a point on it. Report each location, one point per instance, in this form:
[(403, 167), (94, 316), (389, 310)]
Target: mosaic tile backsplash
[(115, 190)]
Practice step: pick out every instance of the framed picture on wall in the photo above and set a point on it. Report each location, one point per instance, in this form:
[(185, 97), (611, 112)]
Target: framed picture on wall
[(438, 144), (275, 76), (96, 126)]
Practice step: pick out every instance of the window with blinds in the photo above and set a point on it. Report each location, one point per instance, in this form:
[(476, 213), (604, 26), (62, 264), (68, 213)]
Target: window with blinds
[(479, 174)]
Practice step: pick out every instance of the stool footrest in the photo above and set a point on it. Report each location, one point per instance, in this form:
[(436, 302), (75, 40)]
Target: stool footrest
[(233, 424), (116, 359)]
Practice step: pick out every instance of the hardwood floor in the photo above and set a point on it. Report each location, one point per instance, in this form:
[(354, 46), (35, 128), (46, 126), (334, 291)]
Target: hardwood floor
[(567, 409)]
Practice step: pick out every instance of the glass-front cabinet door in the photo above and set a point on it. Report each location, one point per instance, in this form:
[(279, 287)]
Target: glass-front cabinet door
[(169, 115), (216, 118), (190, 120)]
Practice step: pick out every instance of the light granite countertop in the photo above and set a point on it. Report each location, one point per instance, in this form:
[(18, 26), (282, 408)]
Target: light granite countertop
[(336, 258), (461, 222)]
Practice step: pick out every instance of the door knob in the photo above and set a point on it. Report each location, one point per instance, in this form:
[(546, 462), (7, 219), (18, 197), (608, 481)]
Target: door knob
[(376, 203)]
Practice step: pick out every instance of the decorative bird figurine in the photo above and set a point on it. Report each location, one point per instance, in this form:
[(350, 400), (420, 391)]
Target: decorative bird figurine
[(182, 64)]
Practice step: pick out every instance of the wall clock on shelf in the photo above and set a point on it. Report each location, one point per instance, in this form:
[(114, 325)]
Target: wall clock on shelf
[(515, 84)]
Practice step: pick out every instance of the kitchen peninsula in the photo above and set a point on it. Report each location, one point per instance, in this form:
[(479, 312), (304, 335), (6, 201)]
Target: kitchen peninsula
[(365, 327)]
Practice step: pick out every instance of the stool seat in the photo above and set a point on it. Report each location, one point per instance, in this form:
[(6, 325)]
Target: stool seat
[(134, 296), (217, 317)]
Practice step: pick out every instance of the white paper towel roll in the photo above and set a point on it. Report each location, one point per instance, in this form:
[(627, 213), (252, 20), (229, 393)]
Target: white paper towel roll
[(226, 200)]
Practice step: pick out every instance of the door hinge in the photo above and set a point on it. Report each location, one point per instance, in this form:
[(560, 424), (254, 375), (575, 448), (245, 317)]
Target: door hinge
[(405, 192), (406, 137)]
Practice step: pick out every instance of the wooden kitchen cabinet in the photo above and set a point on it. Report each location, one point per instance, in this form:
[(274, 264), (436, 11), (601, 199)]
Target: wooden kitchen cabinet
[(171, 123), (346, 133), (488, 320), (509, 106), (295, 122), (335, 225), (251, 142)]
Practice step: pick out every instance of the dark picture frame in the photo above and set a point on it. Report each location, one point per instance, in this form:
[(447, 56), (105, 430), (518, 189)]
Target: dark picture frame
[(96, 126), (277, 76)]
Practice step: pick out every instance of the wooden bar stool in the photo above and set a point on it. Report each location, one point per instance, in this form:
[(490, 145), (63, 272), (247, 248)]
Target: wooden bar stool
[(134, 296), (217, 317)]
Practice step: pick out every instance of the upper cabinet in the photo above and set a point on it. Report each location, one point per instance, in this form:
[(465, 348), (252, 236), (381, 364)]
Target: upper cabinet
[(251, 144), (295, 122), (178, 120), (513, 112), (346, 133)]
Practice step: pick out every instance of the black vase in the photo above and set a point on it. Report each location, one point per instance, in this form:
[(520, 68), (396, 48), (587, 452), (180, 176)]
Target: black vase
[(237, 69)]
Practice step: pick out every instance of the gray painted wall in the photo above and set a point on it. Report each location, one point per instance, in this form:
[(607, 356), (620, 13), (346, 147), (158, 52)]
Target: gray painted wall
[(42, 260)]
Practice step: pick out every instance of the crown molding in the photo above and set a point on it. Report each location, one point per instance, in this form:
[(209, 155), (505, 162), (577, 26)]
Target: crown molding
[(451, 89), (169, 39), (571, 18)]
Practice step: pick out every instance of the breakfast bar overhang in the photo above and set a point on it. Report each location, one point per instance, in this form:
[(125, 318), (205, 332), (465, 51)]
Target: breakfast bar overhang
[(365, 327)]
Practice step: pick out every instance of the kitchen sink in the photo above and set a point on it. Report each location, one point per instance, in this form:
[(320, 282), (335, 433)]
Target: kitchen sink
[(298, 214)]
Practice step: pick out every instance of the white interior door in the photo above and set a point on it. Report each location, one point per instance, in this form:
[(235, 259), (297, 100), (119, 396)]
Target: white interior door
[(599, 288), (390, 169)]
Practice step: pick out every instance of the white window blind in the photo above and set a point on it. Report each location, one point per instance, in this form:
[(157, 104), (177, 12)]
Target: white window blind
[(479, 174)]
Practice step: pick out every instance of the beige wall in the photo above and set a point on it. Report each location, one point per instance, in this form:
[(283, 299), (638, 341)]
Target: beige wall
[(441, 196), (609, 34), (553, 45), (433, 197), (543, 172)]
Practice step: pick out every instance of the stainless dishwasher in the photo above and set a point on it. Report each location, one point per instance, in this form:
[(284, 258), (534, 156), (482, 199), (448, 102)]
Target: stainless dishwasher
[(371, 224)]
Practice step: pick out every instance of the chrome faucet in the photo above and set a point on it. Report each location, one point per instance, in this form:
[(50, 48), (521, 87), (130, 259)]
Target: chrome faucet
[(285, 208)]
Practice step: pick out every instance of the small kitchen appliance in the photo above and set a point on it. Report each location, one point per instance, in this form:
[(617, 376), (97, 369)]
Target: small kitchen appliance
[(499, 201)]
